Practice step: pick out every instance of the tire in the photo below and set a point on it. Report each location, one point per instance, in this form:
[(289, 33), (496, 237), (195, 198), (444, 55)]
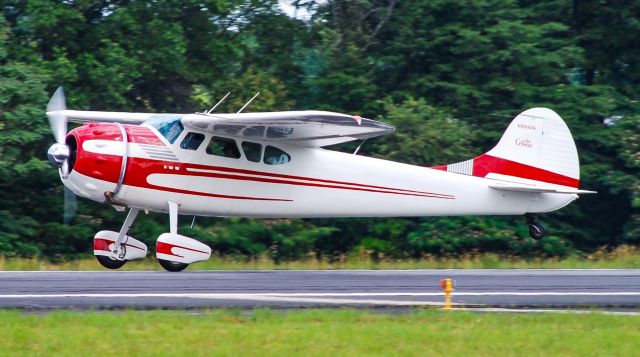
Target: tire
[(110, 263), (168, 265), (536, 231)]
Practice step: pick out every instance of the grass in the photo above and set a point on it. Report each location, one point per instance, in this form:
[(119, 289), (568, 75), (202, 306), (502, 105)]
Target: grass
[(622, 257), (317, 332)]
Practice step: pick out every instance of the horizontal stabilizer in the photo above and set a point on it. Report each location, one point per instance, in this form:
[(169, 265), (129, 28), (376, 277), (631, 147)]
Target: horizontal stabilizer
[(509, 186)]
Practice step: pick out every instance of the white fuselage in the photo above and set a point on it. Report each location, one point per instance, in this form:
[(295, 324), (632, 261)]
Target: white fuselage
[(315, 183)]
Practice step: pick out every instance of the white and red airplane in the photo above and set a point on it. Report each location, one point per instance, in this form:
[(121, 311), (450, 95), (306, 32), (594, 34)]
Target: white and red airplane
[(274, 165)]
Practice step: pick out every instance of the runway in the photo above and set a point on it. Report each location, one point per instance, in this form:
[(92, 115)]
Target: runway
[(530, 289)]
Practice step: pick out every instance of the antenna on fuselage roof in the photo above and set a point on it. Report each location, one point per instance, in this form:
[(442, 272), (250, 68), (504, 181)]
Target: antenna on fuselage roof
[(249, 102), (217, 104)]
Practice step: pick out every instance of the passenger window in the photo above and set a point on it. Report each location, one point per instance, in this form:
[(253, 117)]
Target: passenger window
[(223, 147), (192, 141), (252, 151), (275, 156)]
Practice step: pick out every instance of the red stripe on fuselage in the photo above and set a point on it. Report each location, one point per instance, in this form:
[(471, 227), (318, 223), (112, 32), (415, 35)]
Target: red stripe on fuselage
[(309, 184), (486, 164), (107, 168), (199, 193), (138, 170), (305, 178), (145, 167)]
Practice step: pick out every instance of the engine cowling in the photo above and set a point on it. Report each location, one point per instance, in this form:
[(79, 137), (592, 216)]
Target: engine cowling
[(97, 159)]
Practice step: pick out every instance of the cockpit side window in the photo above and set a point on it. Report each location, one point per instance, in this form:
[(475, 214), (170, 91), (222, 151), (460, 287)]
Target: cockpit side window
[(169, 126), (275, 156), (252, 151), (192, 141), (223, 147)]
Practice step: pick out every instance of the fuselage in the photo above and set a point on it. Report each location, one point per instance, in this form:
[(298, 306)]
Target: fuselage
[(264, 178)]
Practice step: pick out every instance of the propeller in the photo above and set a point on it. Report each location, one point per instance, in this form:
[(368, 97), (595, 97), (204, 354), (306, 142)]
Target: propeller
[(57, 119), (59, 152), (70, 205)]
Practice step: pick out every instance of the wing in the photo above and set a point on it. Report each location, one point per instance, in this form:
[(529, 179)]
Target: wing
[(306, 128), (81, 116)]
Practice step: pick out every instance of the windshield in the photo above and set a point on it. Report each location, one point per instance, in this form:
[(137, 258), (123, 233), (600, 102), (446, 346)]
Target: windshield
[(168, 125)]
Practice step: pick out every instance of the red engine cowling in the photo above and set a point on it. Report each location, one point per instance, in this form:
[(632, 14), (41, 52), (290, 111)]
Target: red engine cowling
[(97, 151), (97, 160), (101, 161)]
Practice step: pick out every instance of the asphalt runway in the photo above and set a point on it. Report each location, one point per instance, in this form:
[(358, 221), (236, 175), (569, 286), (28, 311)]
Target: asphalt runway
[(522, 289)]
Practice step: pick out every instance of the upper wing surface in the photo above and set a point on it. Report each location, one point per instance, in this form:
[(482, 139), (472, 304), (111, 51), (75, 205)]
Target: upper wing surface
[(81, 116), (306, 128)]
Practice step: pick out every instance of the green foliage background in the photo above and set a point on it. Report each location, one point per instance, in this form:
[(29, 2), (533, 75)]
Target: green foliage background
[(448, 74)]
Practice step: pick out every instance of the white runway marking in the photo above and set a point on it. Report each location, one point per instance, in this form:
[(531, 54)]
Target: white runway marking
[(321, 300), (325, 298), (325, 294)]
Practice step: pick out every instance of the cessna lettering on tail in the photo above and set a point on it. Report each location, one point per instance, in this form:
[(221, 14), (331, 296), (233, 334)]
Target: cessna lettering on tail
[(524, 143)]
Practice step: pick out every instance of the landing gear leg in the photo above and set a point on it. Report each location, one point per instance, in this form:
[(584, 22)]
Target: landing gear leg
[(173, 228), (536, 229), (119, 249)]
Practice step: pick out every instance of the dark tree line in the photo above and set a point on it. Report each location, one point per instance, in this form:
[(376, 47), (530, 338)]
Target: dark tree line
[(448, 74)]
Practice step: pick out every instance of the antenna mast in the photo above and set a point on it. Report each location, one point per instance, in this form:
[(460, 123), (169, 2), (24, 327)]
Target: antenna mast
[(249, 102), (217, 104)]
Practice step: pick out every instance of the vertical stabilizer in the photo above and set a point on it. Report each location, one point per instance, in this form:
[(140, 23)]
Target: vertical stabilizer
[(537, 147)]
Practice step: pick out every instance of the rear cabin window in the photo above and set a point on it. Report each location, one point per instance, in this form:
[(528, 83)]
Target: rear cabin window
[(252, 151), (275, 156), (223, 147), (192, 141)]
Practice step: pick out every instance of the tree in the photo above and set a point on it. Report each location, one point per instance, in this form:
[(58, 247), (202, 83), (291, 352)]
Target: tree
[(425, 135), (449, 75)]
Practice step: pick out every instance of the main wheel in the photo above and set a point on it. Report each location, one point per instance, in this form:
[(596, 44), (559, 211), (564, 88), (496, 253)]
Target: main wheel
[(536, 231), (172, 266), (110, 263)]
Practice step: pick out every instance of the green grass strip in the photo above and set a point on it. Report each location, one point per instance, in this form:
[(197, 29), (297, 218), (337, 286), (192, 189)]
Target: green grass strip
[(317, 333), (622, 257)]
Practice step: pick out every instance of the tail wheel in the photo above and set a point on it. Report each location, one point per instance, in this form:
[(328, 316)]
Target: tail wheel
[(536, 231), (110, 263), (168, 265)]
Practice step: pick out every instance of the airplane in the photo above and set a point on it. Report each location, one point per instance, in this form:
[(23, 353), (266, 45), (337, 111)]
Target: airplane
[(275, 165)]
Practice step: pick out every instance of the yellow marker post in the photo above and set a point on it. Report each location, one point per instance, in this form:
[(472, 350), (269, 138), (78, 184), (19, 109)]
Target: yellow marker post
[(447, 285)]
